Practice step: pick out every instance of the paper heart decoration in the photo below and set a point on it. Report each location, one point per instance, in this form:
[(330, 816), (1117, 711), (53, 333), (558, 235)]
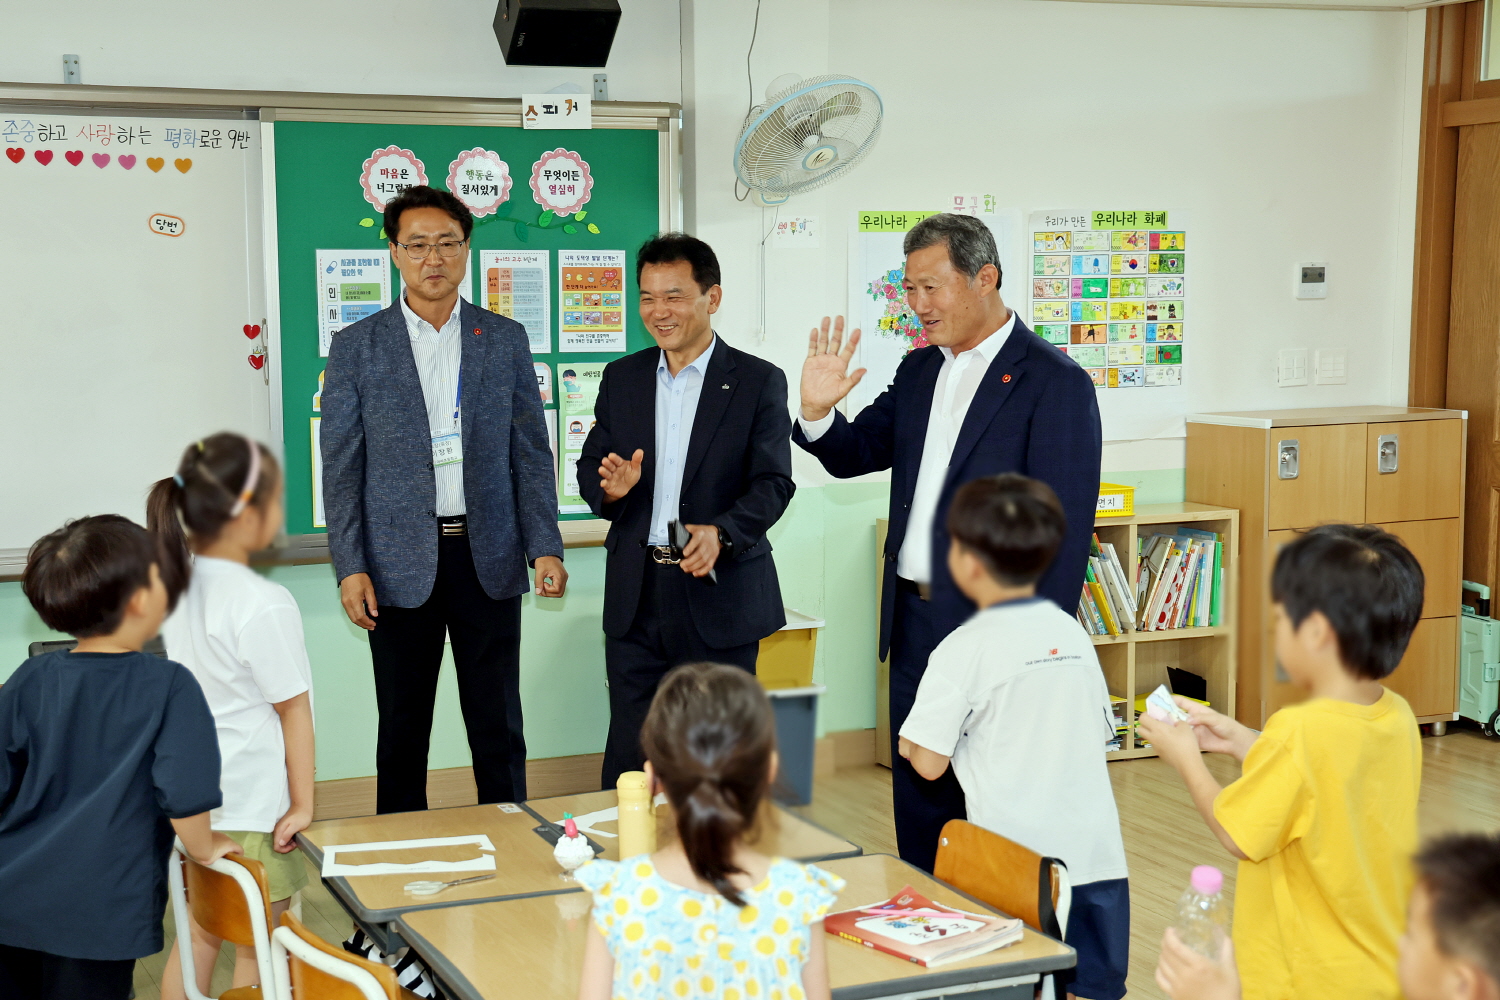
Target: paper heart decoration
[(252, 330), (101, 160), (16, 154), (127, 161), (257, 360), (74, 156), (43, 156), (183, 165), (155, 163)]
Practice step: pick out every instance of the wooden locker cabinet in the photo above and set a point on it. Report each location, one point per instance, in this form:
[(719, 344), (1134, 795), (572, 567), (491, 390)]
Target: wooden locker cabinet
[(1399, 467)]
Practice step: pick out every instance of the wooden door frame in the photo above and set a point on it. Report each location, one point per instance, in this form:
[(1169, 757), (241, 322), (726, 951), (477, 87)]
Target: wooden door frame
[(1452, 96)]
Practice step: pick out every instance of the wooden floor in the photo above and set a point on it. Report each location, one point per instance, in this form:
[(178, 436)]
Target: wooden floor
[(1164, 838)]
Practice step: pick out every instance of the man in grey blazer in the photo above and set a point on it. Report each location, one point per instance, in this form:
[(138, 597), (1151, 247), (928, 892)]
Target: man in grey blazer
[(439, 488)]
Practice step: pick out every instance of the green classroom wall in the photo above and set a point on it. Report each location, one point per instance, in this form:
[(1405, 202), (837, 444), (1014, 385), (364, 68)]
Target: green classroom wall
[(824, 550)]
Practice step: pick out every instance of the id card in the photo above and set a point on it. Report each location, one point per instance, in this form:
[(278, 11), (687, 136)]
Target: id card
[(447, 449)]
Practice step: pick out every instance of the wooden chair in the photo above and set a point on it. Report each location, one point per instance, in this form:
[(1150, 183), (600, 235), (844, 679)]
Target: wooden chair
[(1007, 876), (229, 899), (316, 970)]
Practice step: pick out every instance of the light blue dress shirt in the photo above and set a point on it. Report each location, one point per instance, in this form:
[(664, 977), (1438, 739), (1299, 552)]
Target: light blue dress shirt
[(676, 406)]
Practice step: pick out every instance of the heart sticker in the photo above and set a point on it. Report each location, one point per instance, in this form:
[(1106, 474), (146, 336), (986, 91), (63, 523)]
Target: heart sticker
[(183, 165), (101, 160), (16, 154), (256, 360), (74, 156), (155, 163), (43, 156), (252, 330), (127, 161)]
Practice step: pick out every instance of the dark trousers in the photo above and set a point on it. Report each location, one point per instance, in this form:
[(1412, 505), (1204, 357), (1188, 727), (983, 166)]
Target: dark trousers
[(407, 649), (661, 637), (921, 806), (37, 975)]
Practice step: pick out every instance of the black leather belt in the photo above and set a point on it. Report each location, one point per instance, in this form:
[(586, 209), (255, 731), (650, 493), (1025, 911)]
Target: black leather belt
[(922, 590), (452, 526)]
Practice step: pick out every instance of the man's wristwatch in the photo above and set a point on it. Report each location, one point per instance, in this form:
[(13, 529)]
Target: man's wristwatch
[(726, 544)]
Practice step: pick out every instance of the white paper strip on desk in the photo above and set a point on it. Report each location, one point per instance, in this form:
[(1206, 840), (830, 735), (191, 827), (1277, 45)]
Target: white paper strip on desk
[(586, 822), (332, 866)]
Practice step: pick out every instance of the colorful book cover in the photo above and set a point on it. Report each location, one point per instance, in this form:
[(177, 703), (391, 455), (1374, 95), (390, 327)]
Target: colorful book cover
[(913, 927)]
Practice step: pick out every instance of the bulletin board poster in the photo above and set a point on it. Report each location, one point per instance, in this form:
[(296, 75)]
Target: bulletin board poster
[(515, 285), (889, 330), (592, 289), (352, 285), (577, 389), (1109, 289)]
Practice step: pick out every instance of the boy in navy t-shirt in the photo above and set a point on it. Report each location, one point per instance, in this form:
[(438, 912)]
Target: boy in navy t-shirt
[(104, 752)]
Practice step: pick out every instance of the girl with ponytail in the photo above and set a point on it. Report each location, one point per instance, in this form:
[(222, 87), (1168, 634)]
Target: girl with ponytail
[(706, 916), (241, 636)]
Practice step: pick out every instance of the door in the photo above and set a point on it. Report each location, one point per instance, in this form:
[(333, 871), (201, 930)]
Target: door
[(1412, 470), (1330, 480), (1428, 674)]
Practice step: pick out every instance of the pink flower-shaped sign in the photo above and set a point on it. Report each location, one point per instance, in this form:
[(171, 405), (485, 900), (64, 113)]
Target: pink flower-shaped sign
[(480, 179), (561, 181), (388, 172)]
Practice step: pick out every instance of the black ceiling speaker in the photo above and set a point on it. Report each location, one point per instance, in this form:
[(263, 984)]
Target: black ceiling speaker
[(556, 32)]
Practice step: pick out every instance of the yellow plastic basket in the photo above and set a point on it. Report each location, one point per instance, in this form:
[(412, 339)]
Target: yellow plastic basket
[(1115, 500)]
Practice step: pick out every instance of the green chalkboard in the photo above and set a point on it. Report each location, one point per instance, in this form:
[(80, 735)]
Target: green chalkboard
[(320, 205)]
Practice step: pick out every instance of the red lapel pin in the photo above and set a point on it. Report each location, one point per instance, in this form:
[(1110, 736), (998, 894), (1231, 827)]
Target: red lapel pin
[(1005, 377), (476, 331)]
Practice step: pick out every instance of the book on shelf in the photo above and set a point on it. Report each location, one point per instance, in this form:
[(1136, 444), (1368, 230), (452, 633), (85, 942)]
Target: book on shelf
[(1180, 579), (913, 927)]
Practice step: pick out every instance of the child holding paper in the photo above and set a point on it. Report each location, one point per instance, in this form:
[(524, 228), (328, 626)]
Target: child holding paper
[(1015, 700), (1324, 816)]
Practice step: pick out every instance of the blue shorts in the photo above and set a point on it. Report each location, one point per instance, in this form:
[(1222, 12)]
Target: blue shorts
[(1099, 930)]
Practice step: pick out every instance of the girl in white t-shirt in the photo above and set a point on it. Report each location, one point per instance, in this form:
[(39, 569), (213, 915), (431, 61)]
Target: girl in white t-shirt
[(241, 636)]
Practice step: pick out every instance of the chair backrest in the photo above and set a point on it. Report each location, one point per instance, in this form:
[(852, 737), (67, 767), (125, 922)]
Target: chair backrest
[(220, 905), (316, 970), (1000, 872)]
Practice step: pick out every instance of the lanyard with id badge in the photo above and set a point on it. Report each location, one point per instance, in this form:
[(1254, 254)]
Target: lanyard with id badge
[(448, 449)]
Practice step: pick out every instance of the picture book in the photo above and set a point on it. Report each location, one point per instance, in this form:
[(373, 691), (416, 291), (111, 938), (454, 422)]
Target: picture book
[(913, 927)]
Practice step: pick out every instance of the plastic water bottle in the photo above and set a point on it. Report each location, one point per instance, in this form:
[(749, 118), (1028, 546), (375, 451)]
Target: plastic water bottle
[(1202, 917)]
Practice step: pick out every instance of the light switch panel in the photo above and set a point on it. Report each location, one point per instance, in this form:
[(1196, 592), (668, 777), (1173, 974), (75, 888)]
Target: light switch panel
[(1330, 367), (1291, 366)]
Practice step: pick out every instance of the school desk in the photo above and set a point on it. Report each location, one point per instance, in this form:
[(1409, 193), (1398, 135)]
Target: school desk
[(533, 947), (782, 833)]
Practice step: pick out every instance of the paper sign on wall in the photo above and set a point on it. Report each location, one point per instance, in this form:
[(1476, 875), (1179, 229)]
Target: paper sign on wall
[(561, 181), (515, 285), (557, 111), (319, 518), (352, 284), (544, 381), (480, 179), (592, 290), (578, 388), (388, 172)]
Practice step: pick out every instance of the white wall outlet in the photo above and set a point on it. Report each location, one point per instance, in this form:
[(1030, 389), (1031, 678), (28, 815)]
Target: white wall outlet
[(1291, 366), (1330, 367), (1312, 280)]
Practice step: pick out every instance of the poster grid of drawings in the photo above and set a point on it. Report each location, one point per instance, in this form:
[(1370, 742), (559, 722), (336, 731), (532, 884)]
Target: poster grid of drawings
[(578, 387), (1109, 288), (889, 330)]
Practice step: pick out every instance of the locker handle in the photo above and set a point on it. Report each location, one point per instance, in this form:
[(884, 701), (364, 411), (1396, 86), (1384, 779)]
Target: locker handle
[(1387, 453), (1287, 453)]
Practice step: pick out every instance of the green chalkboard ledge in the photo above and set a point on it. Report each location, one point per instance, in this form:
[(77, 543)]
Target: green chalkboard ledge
[(306, 550)]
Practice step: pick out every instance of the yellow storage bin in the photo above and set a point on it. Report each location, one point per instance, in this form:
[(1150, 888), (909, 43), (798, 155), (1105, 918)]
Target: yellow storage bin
[(1115, 500), (786, 656)]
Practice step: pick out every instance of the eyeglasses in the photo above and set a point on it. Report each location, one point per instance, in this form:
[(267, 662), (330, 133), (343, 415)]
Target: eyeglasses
[(446, 248)]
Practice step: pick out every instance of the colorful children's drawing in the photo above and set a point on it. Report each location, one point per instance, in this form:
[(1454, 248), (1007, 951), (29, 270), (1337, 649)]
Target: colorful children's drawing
[(1127, 288), (1164, 310), (1169, 354), (1049, 288), (1168, 286), (1128, 263), (1088, 356), (1164, 332), (1112, 379), (1092, 263), (1169, 241), (1125, 333), (1043, 311), (1050, 265), (1053, 333), (1089, 333), (1128, 239), (1161, 375), (898, 319), (1168, 263), (1131, 378), (1096, 375), (1088, 310), (1051, 242), (1089, 240), (1126, 354), (1091, 288), (1127, 309)]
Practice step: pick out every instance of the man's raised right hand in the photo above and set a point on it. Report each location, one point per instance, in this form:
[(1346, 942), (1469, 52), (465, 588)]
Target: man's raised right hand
[(357, 594), (617, 476), (825, 377)]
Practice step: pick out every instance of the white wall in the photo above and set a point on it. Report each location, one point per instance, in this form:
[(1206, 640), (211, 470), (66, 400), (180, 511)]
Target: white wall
[(445, 48), (1287, 135)]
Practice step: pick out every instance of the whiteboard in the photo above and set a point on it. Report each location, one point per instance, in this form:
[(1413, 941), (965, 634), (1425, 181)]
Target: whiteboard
[(122, 345)]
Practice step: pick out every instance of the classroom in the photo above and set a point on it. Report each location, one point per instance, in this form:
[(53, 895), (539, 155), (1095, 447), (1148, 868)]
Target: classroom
[(249, 219)]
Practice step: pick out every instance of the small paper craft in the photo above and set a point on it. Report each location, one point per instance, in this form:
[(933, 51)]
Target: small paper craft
[(332, 866)]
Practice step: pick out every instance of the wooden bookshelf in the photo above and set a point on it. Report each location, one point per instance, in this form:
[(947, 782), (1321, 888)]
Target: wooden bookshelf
[(1134, 663)]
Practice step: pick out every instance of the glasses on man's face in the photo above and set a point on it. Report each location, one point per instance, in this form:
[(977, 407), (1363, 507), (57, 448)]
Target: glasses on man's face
[(445, 248)]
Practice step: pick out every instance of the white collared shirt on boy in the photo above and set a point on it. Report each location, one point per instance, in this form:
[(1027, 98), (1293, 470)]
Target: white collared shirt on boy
[(1016, 697)]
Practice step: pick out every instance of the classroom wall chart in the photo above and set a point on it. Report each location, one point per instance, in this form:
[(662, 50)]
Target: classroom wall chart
[(515, 285), (578, 388), (1109, 289), (592, 288), (352, 285)]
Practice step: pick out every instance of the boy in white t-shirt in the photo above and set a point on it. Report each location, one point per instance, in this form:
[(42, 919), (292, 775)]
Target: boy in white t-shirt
[(1015, 700)]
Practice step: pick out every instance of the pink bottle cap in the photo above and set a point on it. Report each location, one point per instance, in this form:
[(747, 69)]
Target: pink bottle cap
[(1207, 880)]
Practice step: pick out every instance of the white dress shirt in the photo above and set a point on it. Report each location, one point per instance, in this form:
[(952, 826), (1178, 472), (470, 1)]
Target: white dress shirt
[(957, 381), (438, 353), (676, 406)]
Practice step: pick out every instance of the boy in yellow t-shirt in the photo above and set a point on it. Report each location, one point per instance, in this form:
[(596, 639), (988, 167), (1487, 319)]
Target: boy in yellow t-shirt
[(1324, 816)]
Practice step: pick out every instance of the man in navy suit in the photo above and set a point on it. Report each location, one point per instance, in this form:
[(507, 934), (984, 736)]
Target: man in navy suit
[(438, 488), (986, 396)]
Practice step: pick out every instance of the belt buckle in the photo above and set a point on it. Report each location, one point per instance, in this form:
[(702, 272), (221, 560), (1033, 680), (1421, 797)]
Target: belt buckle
[(662, 556), (452, 529)]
